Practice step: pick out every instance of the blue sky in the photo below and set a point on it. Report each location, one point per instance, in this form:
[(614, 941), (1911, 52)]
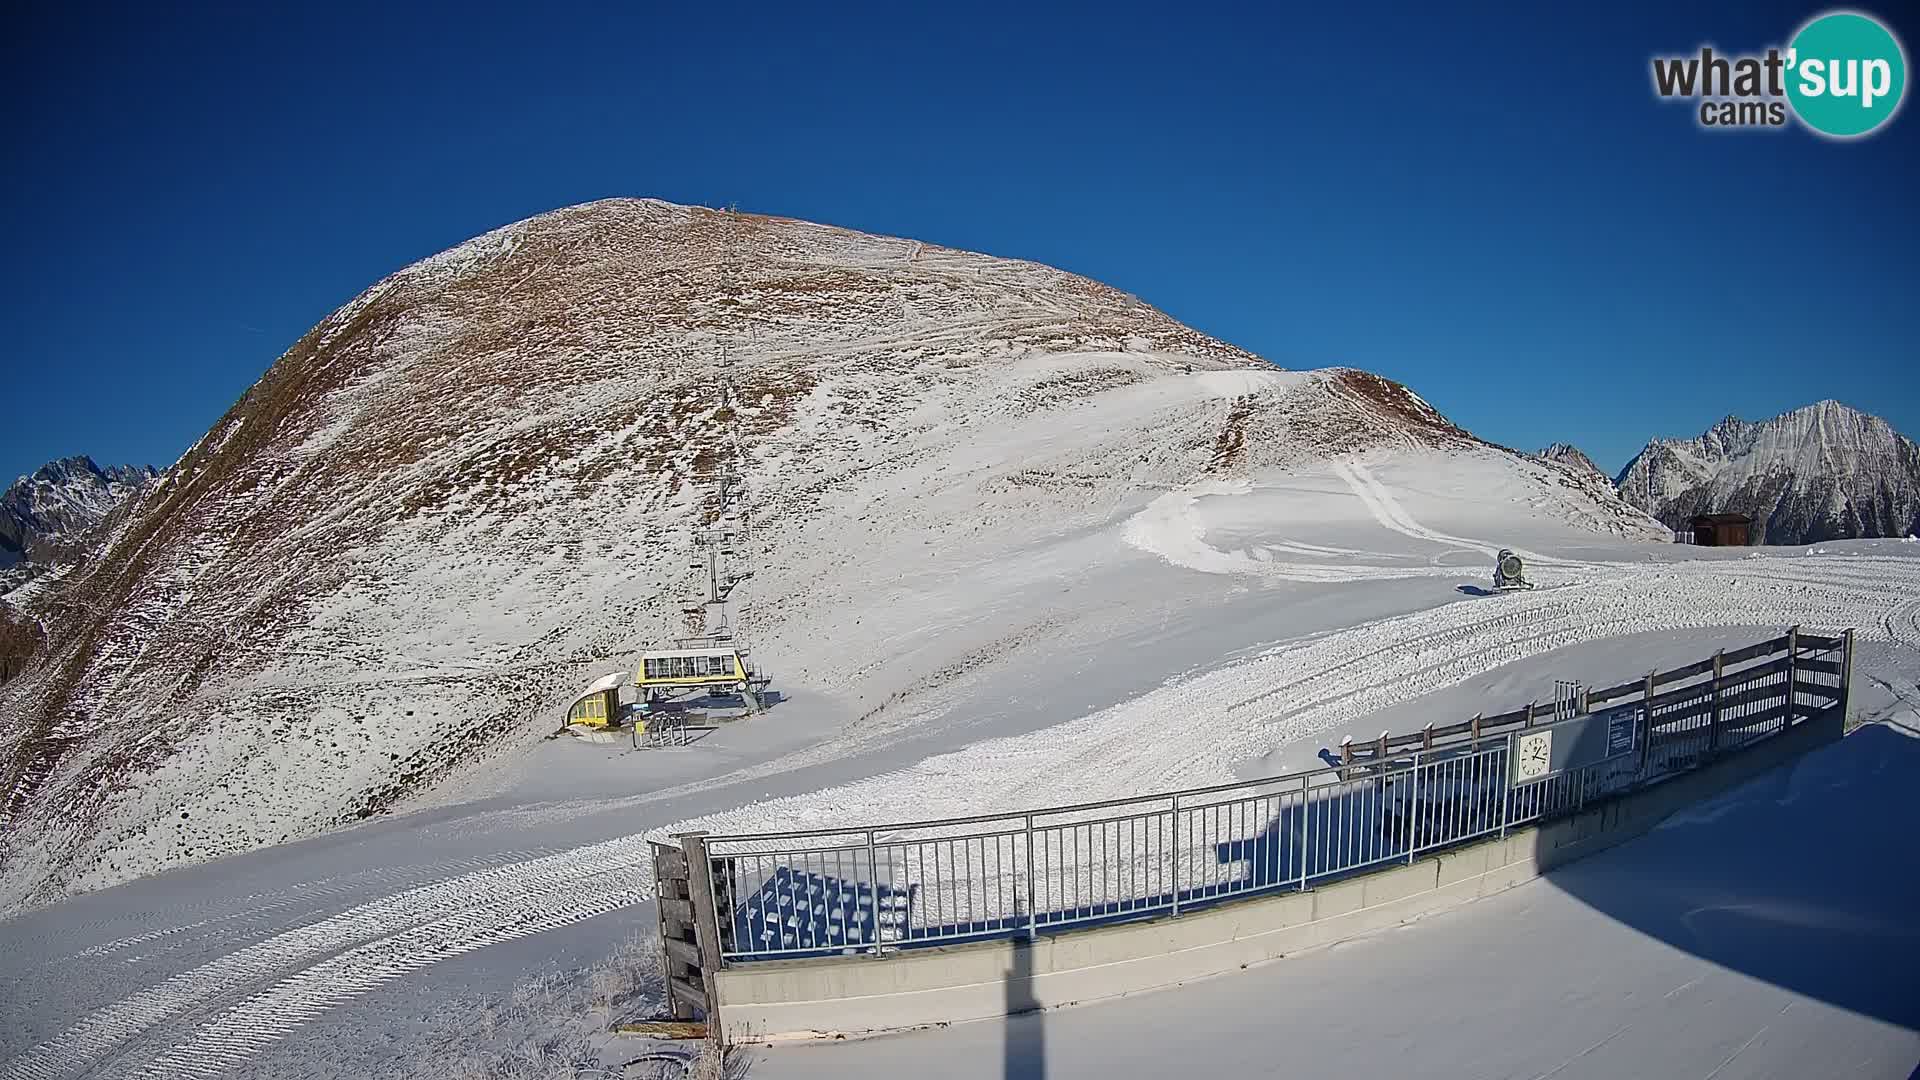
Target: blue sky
[(1490, 206)]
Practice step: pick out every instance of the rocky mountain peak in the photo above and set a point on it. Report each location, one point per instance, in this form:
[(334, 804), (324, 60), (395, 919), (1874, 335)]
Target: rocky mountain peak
[(1824, 471), (46, 512), (1572, 457)]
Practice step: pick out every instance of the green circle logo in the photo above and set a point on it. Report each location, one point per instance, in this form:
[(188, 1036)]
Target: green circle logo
[(1846, 74)]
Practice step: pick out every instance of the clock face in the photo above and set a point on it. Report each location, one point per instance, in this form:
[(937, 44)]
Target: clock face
[(1533, 755)]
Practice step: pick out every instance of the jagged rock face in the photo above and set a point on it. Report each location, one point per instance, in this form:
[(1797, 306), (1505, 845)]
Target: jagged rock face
[(44, 515), (20, 639), (1572, 457), (1824, 472), (1579, 476)]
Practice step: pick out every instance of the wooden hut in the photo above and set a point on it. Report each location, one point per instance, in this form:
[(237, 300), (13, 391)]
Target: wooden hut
[(1722, 530)]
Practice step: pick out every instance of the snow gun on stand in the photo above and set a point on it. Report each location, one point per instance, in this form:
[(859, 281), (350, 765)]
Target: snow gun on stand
[(1509, 572)]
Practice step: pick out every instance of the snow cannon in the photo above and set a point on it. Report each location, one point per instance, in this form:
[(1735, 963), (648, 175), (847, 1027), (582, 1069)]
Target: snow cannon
[(1509, 572)]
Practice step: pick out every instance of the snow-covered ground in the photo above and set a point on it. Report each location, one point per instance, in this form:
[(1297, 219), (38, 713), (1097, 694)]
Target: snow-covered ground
[(1769, 933), (1215, 630)]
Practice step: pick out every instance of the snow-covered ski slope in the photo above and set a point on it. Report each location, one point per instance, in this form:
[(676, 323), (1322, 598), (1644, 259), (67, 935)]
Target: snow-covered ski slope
[(1213, 629), (1203, 728)]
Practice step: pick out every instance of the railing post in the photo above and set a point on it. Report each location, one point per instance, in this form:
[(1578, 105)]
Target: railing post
[(1646, 727), (1846, 674), (873, 881), (1032, 890), (1713, 725), (1346, 755), (1506, 785), (1793, 675), (1413, 813), (1173, 849), (1306, 832)]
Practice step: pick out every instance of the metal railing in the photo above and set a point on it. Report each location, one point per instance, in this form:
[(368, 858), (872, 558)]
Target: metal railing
[(860, 890)]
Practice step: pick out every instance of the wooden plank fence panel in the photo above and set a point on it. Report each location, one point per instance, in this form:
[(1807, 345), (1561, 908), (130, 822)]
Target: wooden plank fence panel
[(1703, 691), (1763, 673), (1819, 690), (686, 952), (1625, 689), (688, 991), (1690, 671), (1753, 695), (1764, 717), (1666, 721), (1764, 648), (680, 957)]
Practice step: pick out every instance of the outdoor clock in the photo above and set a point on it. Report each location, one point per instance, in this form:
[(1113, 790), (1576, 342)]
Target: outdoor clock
[(1532, 755)]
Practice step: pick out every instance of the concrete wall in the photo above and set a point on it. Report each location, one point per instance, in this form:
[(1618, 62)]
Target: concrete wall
[(922, 987)]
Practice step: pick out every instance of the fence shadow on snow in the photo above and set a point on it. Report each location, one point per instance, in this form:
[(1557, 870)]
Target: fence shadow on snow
[(1804, 878)]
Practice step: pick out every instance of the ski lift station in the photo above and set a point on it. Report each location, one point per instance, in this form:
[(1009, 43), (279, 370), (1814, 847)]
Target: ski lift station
[(716, 668), (667, 669), (714, 665), (598, 706)]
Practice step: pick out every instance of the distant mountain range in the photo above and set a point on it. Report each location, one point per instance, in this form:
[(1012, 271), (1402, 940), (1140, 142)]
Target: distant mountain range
[(1823, 472), (45, 514)]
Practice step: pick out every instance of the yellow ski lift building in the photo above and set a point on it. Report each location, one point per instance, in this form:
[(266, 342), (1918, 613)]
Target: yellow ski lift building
[(714, 665), (719, 665), (599, 705)]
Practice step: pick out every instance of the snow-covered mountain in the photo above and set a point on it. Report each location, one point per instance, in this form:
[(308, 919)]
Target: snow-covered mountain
[(473, 488), (47, 512), (1823, 472), (1572, 457)]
